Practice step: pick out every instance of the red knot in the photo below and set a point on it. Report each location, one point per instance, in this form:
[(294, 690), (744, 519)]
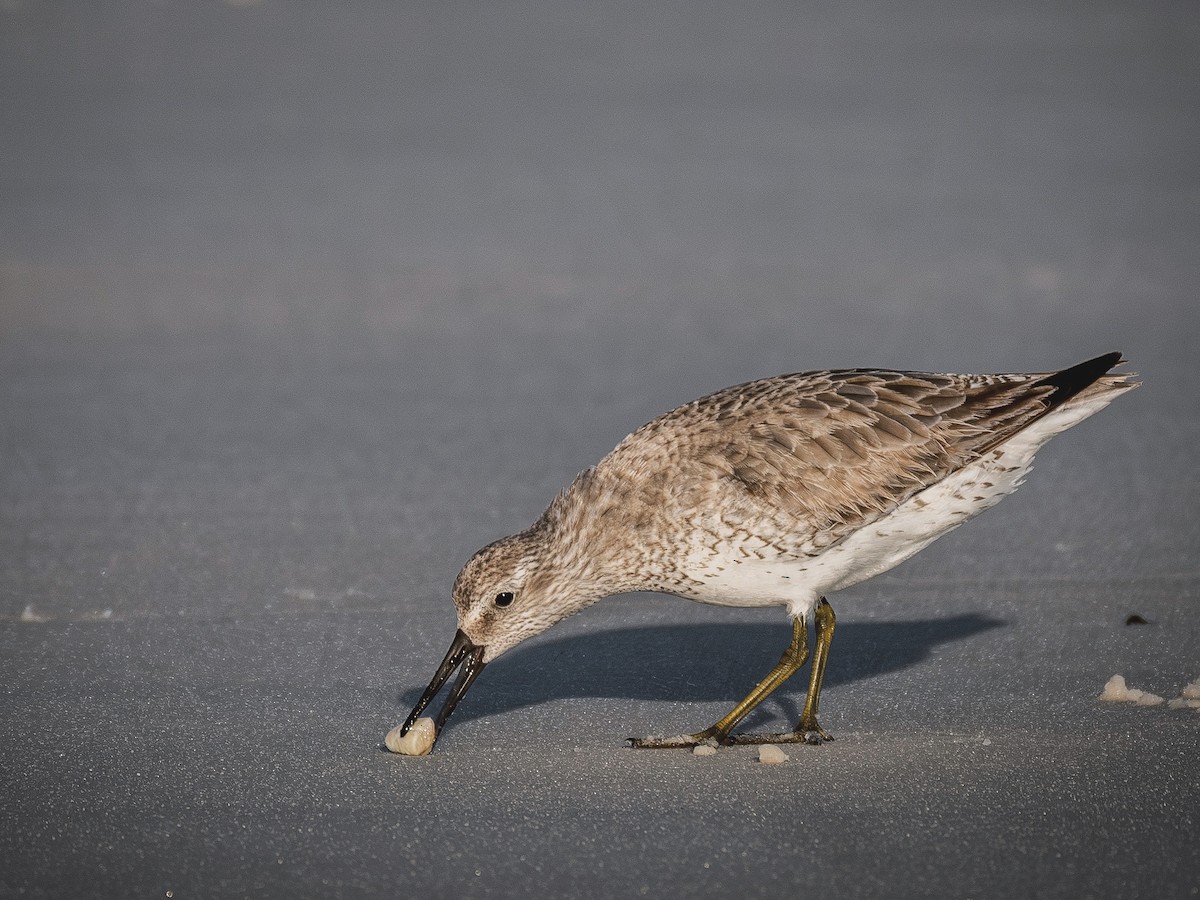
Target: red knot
[(771, 493)]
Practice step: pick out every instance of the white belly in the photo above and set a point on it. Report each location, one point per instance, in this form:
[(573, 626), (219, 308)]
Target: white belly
[(733, 579)]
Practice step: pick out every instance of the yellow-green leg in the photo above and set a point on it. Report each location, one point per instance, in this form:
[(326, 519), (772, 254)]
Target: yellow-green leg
[(808, 730), (793, 658)]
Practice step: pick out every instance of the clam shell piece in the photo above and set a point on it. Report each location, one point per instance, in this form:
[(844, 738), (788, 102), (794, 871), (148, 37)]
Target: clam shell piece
[(418, 741)]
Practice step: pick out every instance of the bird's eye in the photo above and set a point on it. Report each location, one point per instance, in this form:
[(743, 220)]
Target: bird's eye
[(504, 598)]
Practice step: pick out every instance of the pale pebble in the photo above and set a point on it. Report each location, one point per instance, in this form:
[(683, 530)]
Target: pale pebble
[(771, 755)]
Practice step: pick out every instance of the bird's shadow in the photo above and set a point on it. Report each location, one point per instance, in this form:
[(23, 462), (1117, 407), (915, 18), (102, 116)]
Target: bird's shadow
[(696, 662)]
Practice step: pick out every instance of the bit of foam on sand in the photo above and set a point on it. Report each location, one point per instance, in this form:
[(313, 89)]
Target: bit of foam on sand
[(1183, 703), (1189, 697), (1116, 691), (418, 741), (771, 755)]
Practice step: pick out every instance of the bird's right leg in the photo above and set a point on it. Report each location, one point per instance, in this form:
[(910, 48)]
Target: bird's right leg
[(793, 658)]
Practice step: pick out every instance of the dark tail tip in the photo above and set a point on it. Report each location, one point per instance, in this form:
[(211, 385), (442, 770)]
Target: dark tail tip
[(1070, 382)]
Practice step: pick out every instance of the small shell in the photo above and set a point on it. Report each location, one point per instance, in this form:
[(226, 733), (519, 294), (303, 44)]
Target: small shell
[(704, 750), (418, 741)]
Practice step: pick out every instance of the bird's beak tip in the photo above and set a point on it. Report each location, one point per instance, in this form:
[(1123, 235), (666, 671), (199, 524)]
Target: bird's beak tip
[(463, 652)]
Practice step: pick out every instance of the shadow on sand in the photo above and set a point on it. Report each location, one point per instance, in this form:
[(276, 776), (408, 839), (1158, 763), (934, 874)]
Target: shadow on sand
[(697, 663)]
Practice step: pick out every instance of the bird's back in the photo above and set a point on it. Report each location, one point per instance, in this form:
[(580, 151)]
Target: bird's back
[(788, 466)]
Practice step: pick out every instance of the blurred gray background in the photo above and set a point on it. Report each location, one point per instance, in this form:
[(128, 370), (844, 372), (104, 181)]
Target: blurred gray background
[(302, 303)]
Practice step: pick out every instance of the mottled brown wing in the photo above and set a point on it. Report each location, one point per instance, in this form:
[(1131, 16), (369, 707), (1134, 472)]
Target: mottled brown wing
[(838, 449)]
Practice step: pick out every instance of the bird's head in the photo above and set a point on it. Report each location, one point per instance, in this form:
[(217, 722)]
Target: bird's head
[(510, 590)]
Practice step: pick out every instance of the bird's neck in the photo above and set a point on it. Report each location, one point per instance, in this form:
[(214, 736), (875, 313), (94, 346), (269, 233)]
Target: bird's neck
[(586, 539)]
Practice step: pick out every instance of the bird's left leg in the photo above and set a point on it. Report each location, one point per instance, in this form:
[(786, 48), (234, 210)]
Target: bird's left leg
[(793, 658)]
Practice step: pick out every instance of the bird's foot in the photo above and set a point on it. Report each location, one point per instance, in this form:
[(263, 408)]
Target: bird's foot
[(805, 733), (680, 741)]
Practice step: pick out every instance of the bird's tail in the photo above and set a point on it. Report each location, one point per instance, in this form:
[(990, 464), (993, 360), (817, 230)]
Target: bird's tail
[(1088, 381)]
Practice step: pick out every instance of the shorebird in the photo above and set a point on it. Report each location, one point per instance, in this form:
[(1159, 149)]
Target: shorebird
[(771, 493)]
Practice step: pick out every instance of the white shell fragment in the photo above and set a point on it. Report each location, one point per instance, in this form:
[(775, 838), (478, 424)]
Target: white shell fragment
[(418, 741), (771, 755), (704, 750)]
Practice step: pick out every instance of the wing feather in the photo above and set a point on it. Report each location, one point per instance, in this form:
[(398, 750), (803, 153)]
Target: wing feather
[(830, 450)]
